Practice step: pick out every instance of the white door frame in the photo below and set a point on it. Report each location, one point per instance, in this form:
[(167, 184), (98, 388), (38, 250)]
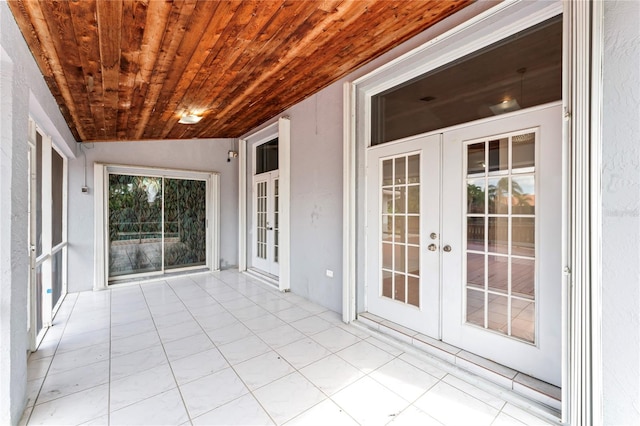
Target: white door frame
[(582, 198), (282, 130)]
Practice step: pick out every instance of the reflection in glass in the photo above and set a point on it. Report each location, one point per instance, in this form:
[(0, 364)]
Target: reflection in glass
[(523, 277), (498, 273), (414, 169), (413, 291), (387, 284), (413, 230), (523, 238), (387, 228), (522, 319), (475, 233), (413, 199), (399, 287), (387, 172), (498, 195), (399, 258), (400, 231), (185, 214), (475, 196), (413, 260), (498, 313), (401, 171), (523, 193), (498, 235), (475, 158), (524, 150), (499, 155), (475, 307), (401, 200), (475, 270), (135, 224), (387, 256)]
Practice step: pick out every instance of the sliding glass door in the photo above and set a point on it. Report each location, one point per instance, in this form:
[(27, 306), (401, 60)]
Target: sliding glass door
[(156, 224)]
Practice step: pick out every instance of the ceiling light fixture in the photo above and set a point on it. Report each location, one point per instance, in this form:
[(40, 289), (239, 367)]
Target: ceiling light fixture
[(507, 105), (190, 118)]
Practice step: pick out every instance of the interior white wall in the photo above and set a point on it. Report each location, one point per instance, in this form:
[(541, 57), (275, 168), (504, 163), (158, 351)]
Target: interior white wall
[(196, 154), (23, 93), (621, 213)]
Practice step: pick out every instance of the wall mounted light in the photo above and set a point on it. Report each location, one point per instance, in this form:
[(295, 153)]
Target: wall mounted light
[(189, 118)]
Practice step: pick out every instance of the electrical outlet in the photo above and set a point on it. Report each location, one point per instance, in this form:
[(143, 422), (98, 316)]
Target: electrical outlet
[(329, 273)]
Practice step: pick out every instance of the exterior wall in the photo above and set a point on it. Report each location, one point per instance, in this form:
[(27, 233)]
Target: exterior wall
[(199, 154), (23, 92), (621, 213)]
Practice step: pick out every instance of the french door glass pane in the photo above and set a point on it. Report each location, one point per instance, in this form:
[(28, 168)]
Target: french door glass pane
[(135, 224), (261, 225), (39, 278), (38, 194), (57, 180), (501, 237), (185, 213)]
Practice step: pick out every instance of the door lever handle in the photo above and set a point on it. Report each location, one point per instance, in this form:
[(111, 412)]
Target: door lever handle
[(447, 248), (432, 247), (269, 228)]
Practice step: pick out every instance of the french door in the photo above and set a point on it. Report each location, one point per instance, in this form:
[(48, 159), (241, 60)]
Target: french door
[(266, 222), (463, 238)]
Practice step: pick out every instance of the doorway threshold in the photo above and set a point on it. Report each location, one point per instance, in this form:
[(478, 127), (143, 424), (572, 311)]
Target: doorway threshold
[(265, 277), (507, 378)]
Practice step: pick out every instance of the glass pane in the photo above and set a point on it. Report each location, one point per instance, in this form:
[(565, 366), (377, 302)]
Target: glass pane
[(488, 78), (401, 171), (498, 276), (267, 157), (498, 195), (38, 298), (523, 236), (387, 284), (475, 233), (413, 199), (56, 276), (524, 150), (387, 228), (387, 172), (523, 192), (498, 238), (387, 200), (399, 287), (523, 319), (413, 291), (413, 230), (57, 180), (387, 256), (399, 258), (475, 195), (400, 199), (135, 224), (38, 194), (413, 172), (475, 158), (523, 274), (413, 260), (475, 270), (185, 215), (400, 231), (475, 307), (497, 310), (499, 155)]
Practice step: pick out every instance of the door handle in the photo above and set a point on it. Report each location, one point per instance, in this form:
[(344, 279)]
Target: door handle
[(432, 247), (447, 248), (269, 228)]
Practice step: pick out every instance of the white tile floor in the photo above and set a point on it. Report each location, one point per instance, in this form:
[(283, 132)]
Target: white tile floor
[(223, 349)]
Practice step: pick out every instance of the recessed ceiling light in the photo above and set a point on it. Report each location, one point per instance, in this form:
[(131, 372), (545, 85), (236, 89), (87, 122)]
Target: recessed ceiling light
[(190, 118)]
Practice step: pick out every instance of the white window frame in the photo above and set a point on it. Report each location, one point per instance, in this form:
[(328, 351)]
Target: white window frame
[(101, 221), (582, 199), (281, 130)]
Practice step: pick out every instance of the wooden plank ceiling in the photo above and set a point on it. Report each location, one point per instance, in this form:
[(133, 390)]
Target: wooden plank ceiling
[(128, 69)]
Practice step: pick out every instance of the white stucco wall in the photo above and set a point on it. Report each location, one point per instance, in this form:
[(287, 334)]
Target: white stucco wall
[(23, 93), (197, 154), (621, 214)]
